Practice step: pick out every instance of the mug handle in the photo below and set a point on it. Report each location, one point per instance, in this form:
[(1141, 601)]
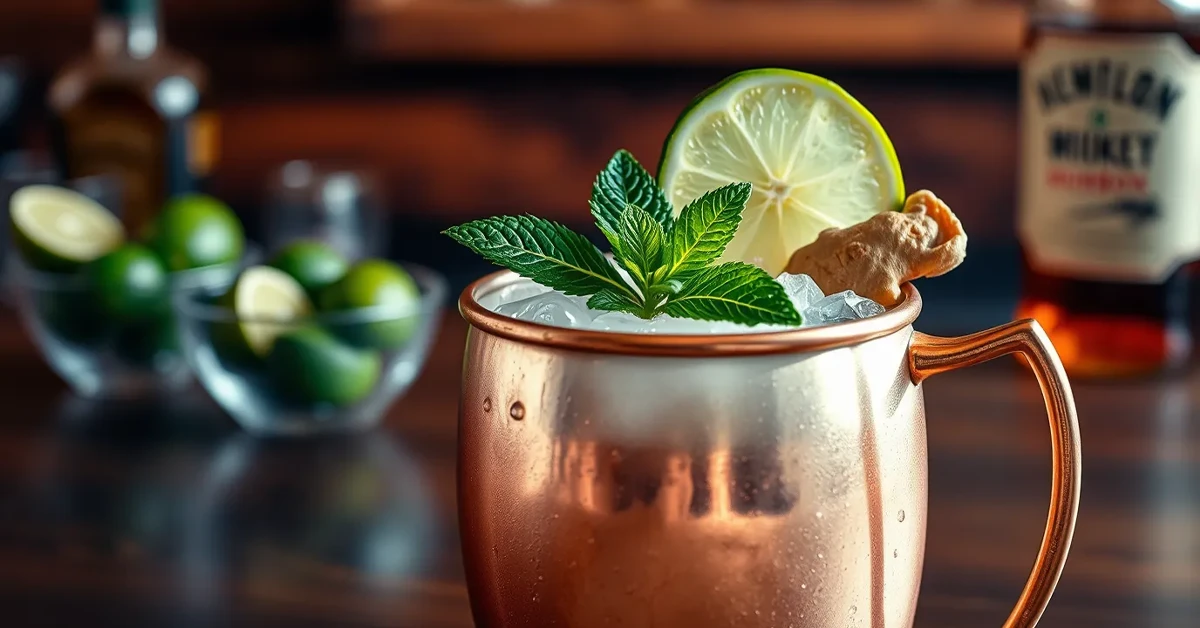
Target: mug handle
[(930, 355)]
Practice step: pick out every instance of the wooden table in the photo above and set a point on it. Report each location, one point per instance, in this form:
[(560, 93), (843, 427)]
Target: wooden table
[(114, 515)]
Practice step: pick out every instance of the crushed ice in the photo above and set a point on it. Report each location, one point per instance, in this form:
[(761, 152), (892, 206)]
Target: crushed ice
[(530, 301)]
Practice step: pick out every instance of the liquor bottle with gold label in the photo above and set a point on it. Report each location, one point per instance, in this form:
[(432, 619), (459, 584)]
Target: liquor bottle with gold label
[(135, 110), (1109, 215)]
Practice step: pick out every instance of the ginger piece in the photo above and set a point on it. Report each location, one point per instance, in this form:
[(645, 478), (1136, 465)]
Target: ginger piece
[(875, 257)]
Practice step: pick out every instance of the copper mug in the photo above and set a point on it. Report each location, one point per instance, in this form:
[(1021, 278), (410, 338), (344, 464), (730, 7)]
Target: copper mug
[(773, 480)]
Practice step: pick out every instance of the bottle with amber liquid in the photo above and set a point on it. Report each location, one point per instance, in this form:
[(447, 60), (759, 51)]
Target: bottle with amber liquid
[(135, 110), (1109, 215)]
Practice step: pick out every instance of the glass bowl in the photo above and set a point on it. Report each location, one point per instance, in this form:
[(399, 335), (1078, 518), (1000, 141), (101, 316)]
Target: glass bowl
[(96, 356), (328, 372)]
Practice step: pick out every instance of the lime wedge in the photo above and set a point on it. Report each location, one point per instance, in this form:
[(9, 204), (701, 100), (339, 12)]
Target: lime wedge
[(816, 157), (58, 229), (268, 303)]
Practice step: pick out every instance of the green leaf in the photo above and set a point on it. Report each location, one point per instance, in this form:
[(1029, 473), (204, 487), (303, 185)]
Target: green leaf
[(705, 228), (736, 292), (639, 244), (625, 182), (543, 251), (610, 301)]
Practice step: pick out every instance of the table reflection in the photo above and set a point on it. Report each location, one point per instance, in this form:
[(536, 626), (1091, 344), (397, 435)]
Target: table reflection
[(172, 493), (118, 478), (268, 512), (1172, 493)]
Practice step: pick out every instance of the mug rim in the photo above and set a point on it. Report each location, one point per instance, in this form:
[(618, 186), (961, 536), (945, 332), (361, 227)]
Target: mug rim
[(801, 340)]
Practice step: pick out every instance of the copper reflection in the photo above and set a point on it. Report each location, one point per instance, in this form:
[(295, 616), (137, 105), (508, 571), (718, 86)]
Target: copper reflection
[(754, 480)]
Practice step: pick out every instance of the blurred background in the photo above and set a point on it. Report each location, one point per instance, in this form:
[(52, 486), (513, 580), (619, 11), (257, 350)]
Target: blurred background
[(449, 110), (379, 123)]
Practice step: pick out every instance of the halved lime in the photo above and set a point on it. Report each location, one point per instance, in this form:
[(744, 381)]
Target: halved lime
[(268, 303), (816, 157), (58, 229)]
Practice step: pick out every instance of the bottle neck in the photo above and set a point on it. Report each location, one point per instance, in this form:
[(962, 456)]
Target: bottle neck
[(127, 28)]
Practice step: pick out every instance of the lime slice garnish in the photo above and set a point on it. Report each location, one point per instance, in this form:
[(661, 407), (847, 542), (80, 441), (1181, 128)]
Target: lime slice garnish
[(61, 229), (268, 303), (816, 157)]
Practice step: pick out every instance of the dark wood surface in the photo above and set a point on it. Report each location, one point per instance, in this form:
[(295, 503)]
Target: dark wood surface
[(166, 515), (904, 33)]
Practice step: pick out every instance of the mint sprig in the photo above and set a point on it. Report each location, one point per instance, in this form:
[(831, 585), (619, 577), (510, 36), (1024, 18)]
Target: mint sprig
[(705, 228), (733, 291), (622, 183), (639, 246), (544, 251), (671, 262)]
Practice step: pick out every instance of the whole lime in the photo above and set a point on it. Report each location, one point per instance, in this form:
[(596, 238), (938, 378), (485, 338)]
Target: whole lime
[(196, 230), (131, 283), (315, 265), (384, 295), (310, 365)]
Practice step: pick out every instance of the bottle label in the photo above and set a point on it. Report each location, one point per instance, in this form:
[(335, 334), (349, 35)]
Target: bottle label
[(125, 147), (1110, 182)]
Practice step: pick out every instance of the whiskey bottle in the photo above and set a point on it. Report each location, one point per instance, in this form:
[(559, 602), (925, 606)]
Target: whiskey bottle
[(135, 110), (1109, 214)]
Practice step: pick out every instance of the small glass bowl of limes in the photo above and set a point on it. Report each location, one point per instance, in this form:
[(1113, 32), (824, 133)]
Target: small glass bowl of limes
[(96, 303), (310, 343)]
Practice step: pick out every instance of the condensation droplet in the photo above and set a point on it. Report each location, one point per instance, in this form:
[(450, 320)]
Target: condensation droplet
[(820, 556), (487, 404), (820, 515), (900, 517), (517, 412), (853, 610)]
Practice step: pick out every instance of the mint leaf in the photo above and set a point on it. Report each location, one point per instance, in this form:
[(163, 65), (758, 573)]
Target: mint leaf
[(639, 245), (610, 301), (543, 251), (705, 228), (625, 182), (735, 292)]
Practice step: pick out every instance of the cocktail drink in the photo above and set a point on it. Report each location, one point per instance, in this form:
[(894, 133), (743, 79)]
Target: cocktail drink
[(734, 437)]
